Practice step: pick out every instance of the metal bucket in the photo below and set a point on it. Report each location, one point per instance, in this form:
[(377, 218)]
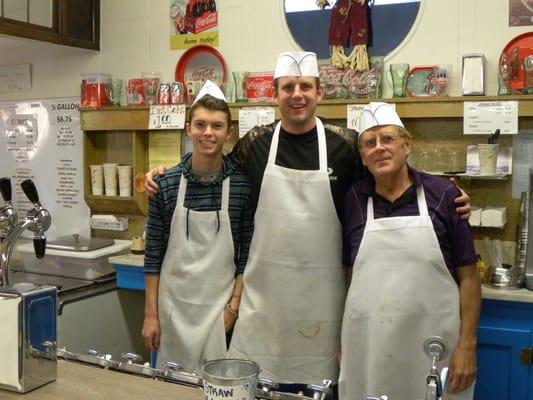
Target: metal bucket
[(230, 379)]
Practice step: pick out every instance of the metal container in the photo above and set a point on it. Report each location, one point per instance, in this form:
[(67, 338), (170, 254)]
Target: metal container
[(27, 336), (529, 244), (521, 238), (230, 378)]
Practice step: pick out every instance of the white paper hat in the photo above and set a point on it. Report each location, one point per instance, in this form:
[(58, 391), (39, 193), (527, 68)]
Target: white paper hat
[(212, 89), (296, 63), (377, 114)]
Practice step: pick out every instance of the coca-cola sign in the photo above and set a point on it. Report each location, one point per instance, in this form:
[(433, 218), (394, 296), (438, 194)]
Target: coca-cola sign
[(203, 74), (201, 23), (260, 87), (348, 83)]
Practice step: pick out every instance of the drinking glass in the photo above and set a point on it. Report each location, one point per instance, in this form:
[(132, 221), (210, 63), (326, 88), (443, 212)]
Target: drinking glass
[(241, 81), (150, 86), (399, 76), (115, 92)]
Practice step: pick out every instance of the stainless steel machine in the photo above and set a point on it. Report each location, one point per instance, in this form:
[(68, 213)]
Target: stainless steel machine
[(28, 311)]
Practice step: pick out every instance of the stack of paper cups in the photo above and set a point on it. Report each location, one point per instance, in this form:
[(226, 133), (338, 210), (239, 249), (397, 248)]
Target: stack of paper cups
[(488, 155), (97, 180), (110, 179), (124, 180)]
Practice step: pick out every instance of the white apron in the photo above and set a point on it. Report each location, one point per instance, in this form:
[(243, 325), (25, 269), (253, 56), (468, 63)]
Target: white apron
[(401, 294), (197, 278), (294, 283)]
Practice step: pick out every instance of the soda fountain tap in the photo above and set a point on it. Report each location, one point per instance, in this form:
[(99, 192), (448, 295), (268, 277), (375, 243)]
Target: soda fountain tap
[(8, 214), (436, 348), (37, 220)]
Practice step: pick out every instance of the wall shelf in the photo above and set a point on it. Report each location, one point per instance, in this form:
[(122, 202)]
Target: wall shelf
[(120, 134), (124, 118)]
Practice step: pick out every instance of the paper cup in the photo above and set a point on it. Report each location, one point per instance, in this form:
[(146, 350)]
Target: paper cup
[(97, 180), (488, 155), (124, 180), (110, 179)]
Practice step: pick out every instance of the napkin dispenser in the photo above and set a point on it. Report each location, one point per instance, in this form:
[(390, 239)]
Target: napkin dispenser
[(28, 334)]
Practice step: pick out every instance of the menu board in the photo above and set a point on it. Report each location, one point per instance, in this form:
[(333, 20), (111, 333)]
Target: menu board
[(42, 140)]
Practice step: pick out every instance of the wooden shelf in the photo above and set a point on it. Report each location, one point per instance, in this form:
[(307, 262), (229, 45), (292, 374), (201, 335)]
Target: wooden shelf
[(123, 147), (120, 134), (116, 204), (136, 118)]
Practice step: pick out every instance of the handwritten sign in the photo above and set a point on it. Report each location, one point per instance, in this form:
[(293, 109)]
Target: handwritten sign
[(170, 116), (353, 115), (484, 117), (14, 78)]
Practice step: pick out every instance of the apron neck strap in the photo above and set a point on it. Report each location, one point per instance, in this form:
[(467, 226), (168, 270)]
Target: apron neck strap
[(420, 198), (225, 194), (182, 189), (224, 206), (322, 149)]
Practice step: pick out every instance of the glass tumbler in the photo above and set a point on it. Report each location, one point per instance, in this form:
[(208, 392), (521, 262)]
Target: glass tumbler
[(399, 77)]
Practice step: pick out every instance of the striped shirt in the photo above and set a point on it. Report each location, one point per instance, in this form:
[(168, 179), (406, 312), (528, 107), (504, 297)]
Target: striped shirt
[(200, 196)]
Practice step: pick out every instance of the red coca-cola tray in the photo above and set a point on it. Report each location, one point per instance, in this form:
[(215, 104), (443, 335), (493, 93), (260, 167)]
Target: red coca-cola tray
[(201, 63), (517, 49)]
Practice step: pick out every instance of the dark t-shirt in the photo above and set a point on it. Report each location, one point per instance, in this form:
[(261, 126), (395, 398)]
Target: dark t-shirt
[(301, 152)]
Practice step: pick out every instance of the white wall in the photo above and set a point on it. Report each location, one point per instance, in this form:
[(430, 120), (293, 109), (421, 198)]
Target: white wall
[(135, 38)]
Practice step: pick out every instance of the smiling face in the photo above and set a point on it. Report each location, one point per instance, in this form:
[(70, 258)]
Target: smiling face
[(384, 150), (297, 98), (208, 131)]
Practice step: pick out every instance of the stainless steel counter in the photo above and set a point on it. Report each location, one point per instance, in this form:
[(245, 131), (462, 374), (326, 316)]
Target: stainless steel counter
[(519, 295), (82, 382)]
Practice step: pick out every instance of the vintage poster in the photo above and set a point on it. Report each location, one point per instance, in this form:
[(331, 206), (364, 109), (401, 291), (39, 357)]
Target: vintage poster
[(193, 23), (520, 12)]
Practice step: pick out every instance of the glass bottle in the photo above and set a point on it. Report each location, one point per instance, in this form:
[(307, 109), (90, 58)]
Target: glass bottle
[(504, 70)]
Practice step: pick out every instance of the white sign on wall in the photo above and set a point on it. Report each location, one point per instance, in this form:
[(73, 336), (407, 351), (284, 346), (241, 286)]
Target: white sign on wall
[(484, 117), (42, 140)]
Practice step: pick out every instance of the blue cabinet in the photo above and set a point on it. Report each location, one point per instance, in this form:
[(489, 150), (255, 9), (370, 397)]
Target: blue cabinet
[(505, 332)]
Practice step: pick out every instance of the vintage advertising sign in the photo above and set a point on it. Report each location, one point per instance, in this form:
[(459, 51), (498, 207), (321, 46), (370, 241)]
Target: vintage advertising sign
[(193, 23)]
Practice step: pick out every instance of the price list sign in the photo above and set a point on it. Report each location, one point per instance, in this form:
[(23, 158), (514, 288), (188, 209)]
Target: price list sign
[(170, 116), (484, 117)]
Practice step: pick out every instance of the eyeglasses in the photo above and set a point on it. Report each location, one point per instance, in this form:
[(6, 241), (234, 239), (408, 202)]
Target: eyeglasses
[(384, 138)]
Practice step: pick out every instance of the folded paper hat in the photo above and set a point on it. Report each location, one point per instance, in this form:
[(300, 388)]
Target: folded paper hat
[(212, 89), (296, 63), (378, 114)]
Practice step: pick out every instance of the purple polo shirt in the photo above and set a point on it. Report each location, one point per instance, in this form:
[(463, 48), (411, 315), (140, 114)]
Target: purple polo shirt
[(454, 234)]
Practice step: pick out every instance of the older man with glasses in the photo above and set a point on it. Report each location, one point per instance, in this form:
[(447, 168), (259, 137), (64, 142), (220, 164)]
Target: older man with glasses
[(414, 272)]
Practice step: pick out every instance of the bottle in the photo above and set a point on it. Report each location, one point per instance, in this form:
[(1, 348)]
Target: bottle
[(504, 71)]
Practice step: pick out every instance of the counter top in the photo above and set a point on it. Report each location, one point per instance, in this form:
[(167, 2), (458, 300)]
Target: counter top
[(132, 260), (75, 381), (490, 293), (520, 295)]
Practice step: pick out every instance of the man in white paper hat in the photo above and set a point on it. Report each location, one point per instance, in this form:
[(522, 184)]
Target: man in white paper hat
[(414, 272), (300, 170), (198, 234)]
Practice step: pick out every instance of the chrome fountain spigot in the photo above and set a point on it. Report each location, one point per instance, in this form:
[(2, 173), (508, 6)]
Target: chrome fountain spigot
[(37, 220), (8, 214), (320, 391), (39, 216), (436, 348)]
